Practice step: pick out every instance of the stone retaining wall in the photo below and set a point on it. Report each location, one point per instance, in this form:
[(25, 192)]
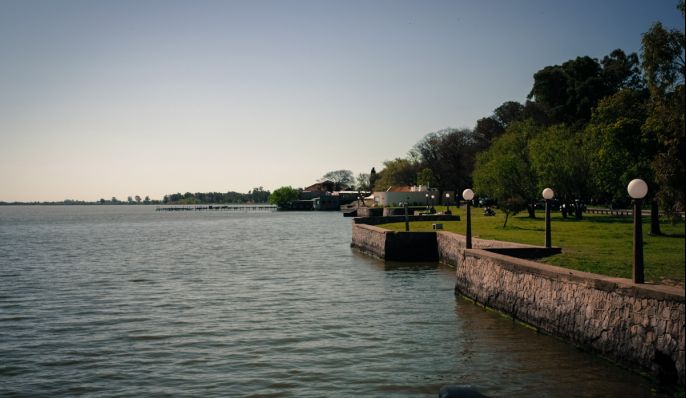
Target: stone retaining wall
[(640, 326), (394, 246), (391, 219)]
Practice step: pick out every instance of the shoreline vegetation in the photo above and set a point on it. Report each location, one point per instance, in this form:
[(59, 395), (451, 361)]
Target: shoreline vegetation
[(255, 196), (600, 244)]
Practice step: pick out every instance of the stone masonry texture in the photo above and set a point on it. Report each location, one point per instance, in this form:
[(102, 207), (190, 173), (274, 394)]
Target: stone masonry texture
[(638, 326)]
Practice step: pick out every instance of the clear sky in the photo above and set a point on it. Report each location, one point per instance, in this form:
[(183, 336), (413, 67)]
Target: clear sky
[(119, 98)]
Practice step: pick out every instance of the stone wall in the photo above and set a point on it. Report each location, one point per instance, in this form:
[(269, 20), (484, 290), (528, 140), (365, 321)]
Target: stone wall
[(394, 246), (641, 326), (376, 220), (451, 246), (370, 240)]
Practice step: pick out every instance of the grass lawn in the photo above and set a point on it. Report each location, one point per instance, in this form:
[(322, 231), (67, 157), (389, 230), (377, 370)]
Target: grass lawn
[(600, 244)]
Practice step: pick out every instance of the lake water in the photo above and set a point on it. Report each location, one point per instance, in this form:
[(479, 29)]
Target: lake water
[(126, 301)]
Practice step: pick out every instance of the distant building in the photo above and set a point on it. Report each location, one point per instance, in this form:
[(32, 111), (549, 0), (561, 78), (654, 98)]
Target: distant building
[(323, 197), (323, 186), (413, 195)]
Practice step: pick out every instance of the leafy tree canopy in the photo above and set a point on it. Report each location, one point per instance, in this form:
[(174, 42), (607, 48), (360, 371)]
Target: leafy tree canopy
[(504, 171), (399, 171), (282, 197), (342, 179)]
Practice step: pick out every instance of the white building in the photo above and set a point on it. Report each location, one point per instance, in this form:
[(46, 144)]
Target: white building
[(415, 195)]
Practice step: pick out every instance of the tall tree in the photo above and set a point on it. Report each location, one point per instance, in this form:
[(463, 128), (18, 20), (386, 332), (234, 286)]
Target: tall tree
[(449, 154), (504, 172), (662, 60), (509, 112), (617, 148), (363, 182), (486, 130), (372, 178), (398, 171), (341, 179), (569, 92), (560, 163), (489, 128), (283, 197)]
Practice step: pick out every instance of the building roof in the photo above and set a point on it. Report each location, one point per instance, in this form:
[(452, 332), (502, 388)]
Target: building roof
[(405, 188), (323, 186)]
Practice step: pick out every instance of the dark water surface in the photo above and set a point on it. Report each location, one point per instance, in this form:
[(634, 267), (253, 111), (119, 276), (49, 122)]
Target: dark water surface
[(126, 301)]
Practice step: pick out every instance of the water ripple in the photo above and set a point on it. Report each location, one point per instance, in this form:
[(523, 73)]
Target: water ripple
[(122, 301)]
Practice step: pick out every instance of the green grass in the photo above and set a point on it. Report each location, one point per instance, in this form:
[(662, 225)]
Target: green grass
[(600, 244)]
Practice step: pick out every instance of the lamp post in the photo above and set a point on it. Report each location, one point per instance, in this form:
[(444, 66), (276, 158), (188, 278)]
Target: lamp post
[(548, 194), (637, 190), (447, 203), (407, 218), (432, 203), (468, 195), (427, 201)]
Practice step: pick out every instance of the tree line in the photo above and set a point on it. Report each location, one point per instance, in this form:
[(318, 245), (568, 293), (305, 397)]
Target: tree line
[(587, 127), (255, 195)]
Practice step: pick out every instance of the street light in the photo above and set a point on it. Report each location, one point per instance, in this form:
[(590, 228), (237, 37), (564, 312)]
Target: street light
[(468, 195), (407, 218), (637, 190), (447, 203), (432, 203), (427, 201), (548, 194)]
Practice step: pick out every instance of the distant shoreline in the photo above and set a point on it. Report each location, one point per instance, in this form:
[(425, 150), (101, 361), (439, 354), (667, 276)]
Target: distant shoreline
[(151, 203)]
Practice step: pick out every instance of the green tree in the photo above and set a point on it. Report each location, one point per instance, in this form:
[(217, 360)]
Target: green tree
[(569, 92), (372, 178), (618, 149), (662, 60), (342, 179), (398, 171), (449, 154), (283, 197), (362, 181), (486, 130), (560, 162), (425, 177), (503, 172)]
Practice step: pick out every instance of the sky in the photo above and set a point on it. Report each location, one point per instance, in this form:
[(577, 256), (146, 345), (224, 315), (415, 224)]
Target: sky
[(123, 98)]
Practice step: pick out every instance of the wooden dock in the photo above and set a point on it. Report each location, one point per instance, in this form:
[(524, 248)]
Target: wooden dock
[(231, 208)]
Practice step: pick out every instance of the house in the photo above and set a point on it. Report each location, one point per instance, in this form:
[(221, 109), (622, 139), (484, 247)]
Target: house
[(413, 195)]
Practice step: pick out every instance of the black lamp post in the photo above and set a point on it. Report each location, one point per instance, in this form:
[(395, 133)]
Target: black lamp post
[(468, 195), (432, 203), (548, 194), (637, 190), (407, 218), (447, 203), (427, 201)]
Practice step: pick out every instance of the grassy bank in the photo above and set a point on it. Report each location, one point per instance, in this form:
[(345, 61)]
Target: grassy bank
[(600, 244)]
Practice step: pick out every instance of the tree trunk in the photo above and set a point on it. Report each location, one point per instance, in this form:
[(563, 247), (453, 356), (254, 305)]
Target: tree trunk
[(654, 219), (577, 210), (531, 208), (507, 215)]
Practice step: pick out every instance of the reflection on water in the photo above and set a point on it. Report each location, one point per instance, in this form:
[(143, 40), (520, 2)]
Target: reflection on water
[(123, 300)]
